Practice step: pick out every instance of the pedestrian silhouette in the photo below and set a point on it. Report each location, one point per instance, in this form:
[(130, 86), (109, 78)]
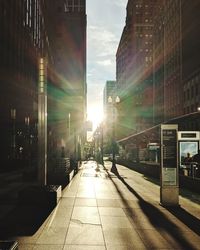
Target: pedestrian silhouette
[(188, 159), (196, 157)]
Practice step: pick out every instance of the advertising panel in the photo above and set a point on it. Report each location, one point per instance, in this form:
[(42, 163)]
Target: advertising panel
[(187, 148)]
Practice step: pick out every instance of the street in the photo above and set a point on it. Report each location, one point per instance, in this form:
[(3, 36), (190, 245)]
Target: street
[(100, 211)]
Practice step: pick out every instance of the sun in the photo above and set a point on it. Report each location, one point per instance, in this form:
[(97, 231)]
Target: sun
[(95, 115)]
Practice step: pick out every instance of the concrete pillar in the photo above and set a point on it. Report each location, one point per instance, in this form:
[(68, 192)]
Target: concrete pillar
[(42, 123)]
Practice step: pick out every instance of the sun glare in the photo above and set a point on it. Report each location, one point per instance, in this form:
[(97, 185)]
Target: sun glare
[(95, 115)]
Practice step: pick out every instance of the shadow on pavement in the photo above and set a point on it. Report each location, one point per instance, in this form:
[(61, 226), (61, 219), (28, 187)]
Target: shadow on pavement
[(158, 219), (23, 221), (151, 179), (188, 219), (194, 197)]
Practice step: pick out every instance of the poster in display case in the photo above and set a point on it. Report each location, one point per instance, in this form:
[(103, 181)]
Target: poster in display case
[(185, 148)]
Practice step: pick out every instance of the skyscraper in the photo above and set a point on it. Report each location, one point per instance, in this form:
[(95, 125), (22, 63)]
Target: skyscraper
[(134, 66), (23, 40), (190, 58), (31, 30), (66, 24)]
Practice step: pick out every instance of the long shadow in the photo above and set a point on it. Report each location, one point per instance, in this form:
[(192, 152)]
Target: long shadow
[(194, 197), (23, 221), (183, 190), (188, 219), (151, 179), (156, 217)]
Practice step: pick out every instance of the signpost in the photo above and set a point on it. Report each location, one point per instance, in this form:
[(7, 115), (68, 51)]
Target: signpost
[(169, 190)]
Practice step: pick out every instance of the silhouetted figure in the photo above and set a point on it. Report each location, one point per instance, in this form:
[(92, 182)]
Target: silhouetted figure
[(196, 158), (188, 159)]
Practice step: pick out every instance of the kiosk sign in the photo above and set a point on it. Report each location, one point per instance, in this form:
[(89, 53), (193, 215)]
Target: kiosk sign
[(169, 148), (169, 190), (169, 155)]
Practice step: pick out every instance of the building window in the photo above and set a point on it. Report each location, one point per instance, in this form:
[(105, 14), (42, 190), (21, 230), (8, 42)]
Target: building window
[(74, 6)]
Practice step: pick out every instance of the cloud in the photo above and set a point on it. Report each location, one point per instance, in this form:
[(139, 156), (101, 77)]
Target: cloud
[(106, 19), (105, 62), (103, 40), (102, 44), (121, 3)]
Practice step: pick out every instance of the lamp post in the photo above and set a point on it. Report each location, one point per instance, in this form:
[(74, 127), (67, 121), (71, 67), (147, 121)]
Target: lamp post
[(97, 141), (102, 144), (113, 102)]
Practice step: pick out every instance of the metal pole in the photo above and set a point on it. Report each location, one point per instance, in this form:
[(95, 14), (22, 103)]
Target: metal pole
[(102, 144), (113, 137), (113, 168), (69, 123)]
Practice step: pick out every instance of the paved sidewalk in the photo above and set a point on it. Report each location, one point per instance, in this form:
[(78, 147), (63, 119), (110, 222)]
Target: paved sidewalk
[(99, 211)]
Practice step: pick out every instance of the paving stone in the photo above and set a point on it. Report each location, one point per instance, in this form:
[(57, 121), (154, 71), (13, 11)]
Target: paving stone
[(84, 234)]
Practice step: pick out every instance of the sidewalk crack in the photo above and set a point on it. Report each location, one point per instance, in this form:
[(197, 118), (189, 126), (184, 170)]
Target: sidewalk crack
[(84, 223)]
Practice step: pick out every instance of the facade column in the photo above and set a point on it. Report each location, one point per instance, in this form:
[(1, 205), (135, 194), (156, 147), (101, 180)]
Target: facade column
[(42, 123)]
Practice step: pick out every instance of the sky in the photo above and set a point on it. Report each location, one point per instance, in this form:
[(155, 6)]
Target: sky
[(105, 23)]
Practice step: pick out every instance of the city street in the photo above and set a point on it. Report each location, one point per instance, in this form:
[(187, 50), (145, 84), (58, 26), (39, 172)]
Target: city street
[(83, 80), (101, 211)]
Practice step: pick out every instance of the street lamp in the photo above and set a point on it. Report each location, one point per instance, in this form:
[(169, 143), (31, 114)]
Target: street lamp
[(101, 126), (98, 139), (113, 103)]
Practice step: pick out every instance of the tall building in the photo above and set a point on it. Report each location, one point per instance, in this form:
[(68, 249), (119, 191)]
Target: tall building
[(190, 58), (173, 90), (134, 67), (31, 30), (158, 64), (22, 42), (158, 68), (176, 64), (66, 24), (167, 68)]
